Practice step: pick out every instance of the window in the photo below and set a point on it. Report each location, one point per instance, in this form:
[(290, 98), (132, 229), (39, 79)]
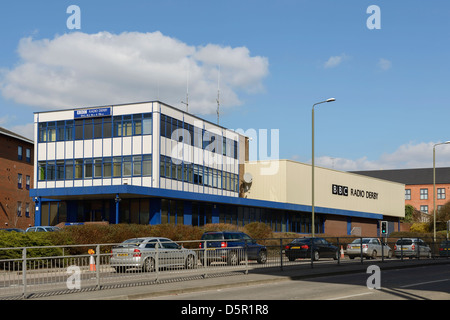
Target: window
[(407, 194), (28, 180), (60, 170), (117, 167), (88, 168), (19, 152), (69, 169), (424, 209), (441, 193), (97, 168), (19, 181), (423, 194), (126, 167), (147, 165), (42, 169), (19, 208), (107, 167), (147, 124), (137, 165), (27, 209), (28, 155), (78, 169)]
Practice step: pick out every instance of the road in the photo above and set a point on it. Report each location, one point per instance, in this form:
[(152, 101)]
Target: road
[(420, 283)]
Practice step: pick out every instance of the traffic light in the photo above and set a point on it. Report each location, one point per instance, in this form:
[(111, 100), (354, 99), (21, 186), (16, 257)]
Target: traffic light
[(384, 226)]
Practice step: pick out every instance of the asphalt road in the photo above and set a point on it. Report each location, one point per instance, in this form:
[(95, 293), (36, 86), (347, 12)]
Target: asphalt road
[(421, 283)]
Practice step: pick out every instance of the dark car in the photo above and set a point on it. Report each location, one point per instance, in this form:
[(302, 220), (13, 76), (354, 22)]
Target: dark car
[(444, 248), (12, 229), (303, 247), (231, 247)]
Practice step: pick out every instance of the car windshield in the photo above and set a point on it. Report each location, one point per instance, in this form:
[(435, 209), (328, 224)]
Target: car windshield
[(404, 242), (301, 240), (131, 242), (212, 236), (359, 241)]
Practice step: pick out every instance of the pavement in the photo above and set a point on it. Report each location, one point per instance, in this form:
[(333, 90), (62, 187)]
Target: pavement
[(215, 281)]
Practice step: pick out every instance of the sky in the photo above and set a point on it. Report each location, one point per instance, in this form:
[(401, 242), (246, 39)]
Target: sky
[(385, 62)]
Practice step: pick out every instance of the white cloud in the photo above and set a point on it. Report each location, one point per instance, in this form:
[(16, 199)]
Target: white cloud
[(79, 69), (334, 61), (409, 155), (384, 64)]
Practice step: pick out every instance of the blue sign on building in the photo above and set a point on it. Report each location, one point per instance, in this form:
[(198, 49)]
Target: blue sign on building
[(88, 113)]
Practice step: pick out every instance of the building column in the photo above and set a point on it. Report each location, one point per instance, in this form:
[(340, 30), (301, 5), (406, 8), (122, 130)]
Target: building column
[(155, 211), (37, 211), (187, 208)]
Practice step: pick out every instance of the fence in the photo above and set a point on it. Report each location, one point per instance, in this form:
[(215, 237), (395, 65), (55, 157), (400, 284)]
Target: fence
[(35, 271)]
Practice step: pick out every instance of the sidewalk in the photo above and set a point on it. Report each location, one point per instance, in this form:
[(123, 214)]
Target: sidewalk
[(234, 279)]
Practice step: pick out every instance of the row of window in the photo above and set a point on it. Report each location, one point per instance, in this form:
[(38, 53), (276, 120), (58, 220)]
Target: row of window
[(424, 194), (110, 167), (96, 128), (20, 181), (19, 209), (180, 131), (27, 154), (198, 174)]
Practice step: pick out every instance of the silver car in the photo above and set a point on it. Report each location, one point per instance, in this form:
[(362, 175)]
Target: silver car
[(371, 248), (145, 253), (412, 247)]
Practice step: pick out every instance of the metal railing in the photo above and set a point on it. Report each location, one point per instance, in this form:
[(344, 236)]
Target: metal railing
[(34, 271)]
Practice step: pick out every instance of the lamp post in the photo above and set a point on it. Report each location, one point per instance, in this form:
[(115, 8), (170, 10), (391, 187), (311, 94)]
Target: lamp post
[(312, 165), (434, 186)]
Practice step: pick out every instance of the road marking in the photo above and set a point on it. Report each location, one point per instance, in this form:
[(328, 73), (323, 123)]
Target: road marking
[(420, 283), (351, 296)]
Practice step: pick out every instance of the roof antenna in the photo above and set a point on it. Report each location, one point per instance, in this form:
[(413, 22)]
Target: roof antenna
[(187, 92), (218, 95)]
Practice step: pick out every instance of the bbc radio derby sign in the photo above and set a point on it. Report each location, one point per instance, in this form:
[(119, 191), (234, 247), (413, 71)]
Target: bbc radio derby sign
[(346, 191), (89, 113)]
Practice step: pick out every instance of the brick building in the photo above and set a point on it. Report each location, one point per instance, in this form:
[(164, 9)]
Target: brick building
[(16, 173), (418, 185)]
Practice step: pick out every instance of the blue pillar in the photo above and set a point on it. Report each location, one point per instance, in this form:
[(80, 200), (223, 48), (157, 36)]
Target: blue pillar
[(117, 200), (37, 211)]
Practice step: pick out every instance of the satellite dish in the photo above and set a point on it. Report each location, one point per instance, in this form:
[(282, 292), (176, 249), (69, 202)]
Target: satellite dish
[(248, 178)]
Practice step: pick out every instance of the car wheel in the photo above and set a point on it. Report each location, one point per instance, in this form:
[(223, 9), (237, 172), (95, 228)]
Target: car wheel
[(190, 262), (120, 269), (316, 255), (336, 255), (374, 254), (262, 257), (149, 265), (232, 258)]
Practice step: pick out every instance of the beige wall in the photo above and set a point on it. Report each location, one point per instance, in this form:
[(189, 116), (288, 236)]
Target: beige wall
[(290, 181)]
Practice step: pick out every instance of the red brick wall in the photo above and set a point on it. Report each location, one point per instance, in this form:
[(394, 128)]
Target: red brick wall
[(10, 193), (416, 202)]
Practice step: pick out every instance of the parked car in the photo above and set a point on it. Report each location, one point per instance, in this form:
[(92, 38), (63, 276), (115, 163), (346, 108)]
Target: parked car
[(371, 248), (444, 248), (43, 229), (412, 247), (143, 253), (231, 247), (12, 229), (303, 247)]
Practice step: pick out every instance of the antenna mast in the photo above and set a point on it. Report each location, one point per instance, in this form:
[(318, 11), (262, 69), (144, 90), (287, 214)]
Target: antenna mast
[(218, 96), (187, 92)]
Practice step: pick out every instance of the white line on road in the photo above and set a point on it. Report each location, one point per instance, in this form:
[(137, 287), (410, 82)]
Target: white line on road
[(421, 283), (351, 296)]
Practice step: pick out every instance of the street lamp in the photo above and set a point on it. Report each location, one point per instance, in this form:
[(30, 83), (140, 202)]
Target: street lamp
[(312, 165), (434, 185)]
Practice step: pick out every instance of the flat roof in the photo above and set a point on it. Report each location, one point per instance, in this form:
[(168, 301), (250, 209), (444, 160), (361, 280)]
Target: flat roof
[(410, 176)]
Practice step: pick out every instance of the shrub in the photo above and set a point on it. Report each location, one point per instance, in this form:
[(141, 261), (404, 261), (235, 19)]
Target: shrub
[(420, 227), (258, 230)]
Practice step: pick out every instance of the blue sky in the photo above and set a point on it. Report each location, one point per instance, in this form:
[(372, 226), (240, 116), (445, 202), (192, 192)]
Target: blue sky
[(276, 59)]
